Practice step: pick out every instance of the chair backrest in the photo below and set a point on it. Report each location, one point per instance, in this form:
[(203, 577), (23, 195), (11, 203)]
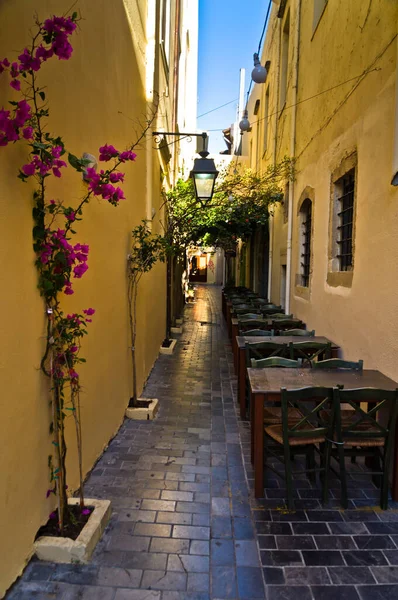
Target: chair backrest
[(276, 361), (302, 332), (241, 305), (309, 351), (243, 312), (365, 424), (262, 301), (260, 350), (283, 324), (260, 332), (245, 324), (310, 402), (278, 315), (337, 363), (249, 315)]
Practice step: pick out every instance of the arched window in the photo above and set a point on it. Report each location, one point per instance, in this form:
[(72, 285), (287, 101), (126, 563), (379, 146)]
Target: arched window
[(305, 242)]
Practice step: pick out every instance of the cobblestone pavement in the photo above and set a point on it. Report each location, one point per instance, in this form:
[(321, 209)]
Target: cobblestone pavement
[(185, 525)]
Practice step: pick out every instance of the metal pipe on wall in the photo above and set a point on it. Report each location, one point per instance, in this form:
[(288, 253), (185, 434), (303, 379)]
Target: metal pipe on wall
[(292, 152)]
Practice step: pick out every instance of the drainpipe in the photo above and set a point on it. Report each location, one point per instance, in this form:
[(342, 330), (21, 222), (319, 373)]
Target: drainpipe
[(150, 70), (292, 152), (395, 150), (274, 152)]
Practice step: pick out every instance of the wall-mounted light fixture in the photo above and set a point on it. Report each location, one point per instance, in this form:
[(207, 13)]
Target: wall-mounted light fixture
[(244, 124), (394, 180), (204, 172), (259, 73)]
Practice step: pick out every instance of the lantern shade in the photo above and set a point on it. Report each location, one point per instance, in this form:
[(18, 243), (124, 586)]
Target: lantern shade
[(204, 174)]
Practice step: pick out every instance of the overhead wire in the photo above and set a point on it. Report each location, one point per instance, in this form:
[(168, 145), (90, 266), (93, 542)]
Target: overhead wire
[(217, 108)]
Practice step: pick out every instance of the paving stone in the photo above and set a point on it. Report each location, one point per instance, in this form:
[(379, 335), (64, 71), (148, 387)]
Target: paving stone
[(119, 577), (170, 546), (222, 552), (341, 592), (352, 575), (223, 583), (162, 580), (200, 547), (246, 552), (152, 530), (191, 532), (288, 593)]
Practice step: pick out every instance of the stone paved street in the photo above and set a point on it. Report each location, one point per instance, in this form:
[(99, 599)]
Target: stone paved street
[(184, 524)]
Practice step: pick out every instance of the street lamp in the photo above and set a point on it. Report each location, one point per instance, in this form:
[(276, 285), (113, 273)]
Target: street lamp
[(204, 174)]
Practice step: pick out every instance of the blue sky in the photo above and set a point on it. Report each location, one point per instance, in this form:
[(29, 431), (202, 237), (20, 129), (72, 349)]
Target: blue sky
[(229, 33)]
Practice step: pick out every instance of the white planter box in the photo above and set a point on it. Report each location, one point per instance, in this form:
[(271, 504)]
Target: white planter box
[(176, 329), (179, 321), (170, 349), (65, 550), (143, 414)]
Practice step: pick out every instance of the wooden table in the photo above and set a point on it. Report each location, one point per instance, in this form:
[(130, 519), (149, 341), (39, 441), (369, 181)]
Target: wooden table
[(264, 321), (280, 339), (265, 384)]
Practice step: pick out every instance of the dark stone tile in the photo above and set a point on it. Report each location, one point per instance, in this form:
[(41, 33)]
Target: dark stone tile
[(324, 515), (289, 516), (334, 542), (222, 552), (273, 575), (374, 542), (288, 593), (341, 592), (267, 542), (250, 582), (364, 558), (200, 547), (392, 556), (161, 580), (307, 576), (278, 558), (310, 529), (384, 575), (361, 516), (382, 528), (322, 558), (112, 576), (270, 528), (223, 582), (295, 542), (378, 592), (351, 575), (201, 520), (348, 528)]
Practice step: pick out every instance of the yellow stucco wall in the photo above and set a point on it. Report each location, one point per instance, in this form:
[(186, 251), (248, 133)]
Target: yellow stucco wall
[(96, 97), (348, 41)]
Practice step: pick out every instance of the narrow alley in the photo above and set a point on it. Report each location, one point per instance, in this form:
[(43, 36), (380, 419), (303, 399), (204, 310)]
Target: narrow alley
[(184, 522)]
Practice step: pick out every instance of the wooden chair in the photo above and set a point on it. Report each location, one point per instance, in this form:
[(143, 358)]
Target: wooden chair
[(249, 315), (283, 324), (301, 436), (247, 312), (309, 351), (259, 350), (363, 434), (247, 324), (275, 361), (337, 363), (260, 332), (296, 332), (278, 315)]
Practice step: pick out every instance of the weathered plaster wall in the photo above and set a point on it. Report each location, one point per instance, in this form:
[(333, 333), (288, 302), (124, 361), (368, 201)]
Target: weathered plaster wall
[(95, 98)]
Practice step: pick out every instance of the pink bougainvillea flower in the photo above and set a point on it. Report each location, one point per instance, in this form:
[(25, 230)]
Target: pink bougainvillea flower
[(56, 151), (53, 515), (115, 177), (49, 492), (56, 172), (44, 54), (68, 289), (71, 216), (28, 62), (79, 270), (16, 84), (73, 349), (14, 69), (107, 152), (127, 155), (22, 114), (86, 511), (89, 311), (73, 374), (28, 169), (27, 133), (52, 201)]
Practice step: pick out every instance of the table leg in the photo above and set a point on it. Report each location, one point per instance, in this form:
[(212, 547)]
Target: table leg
[(251, 427), (242, 382), (235, 351), (258, 426)]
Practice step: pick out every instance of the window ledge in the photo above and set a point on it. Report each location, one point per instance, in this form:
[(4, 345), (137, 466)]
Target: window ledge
[(340, 278), (302, 292)]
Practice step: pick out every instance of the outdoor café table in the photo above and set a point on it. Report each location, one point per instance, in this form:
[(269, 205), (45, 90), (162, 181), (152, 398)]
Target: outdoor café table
[(235, 333), (285, 339), (265, 385)]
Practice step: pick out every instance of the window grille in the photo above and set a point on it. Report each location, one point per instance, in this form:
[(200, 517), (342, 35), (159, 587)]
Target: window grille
[(345, 218), (306, 243)]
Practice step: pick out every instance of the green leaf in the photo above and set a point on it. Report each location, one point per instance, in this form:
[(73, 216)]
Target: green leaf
[(42, 95), (74, 162), (74, 16)]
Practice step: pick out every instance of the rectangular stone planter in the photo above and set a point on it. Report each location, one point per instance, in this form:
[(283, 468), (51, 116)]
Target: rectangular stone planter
[(170, 349), (176, 329), (143, 414), (65, 550)]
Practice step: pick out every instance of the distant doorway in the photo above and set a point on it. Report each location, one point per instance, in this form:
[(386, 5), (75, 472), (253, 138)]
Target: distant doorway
[(198, 271)]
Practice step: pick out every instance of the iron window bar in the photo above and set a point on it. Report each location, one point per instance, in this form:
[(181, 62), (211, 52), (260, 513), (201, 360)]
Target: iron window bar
[(345, 215), (306, 247)]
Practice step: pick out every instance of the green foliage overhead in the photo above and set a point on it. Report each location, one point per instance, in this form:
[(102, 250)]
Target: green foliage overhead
[(243, 200)]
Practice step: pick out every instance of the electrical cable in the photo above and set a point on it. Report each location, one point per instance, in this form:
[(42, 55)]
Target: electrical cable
[(259, 47), (217, 107), (311, 97)]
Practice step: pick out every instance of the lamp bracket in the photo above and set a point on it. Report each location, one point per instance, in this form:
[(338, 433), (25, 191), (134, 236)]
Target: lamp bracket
[(160, 135)]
